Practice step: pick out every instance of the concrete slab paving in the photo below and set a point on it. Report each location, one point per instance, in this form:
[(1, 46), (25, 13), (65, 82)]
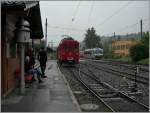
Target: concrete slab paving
[(53, 95)]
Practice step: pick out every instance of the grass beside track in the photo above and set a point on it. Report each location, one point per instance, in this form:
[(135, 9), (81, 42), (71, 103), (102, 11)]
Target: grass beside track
[(123, 59), (144, 61), (128, 60)]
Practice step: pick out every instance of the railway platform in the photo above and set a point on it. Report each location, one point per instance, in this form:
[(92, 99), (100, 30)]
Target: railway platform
[(53, 95)]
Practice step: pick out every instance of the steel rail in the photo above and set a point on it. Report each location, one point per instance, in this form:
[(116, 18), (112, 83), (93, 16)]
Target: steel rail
[(93, 92), (120, 74), (123, 64), (112, 88)]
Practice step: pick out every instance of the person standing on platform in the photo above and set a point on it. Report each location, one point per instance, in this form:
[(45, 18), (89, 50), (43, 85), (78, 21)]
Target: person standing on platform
[(42, 57)]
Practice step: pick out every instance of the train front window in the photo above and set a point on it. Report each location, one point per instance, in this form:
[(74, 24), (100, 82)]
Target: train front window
[(65, 47), (71, 47), (68, 47), (98, 51)]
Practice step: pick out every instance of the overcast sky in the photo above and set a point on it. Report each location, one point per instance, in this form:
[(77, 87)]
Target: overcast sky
[(74, 17)]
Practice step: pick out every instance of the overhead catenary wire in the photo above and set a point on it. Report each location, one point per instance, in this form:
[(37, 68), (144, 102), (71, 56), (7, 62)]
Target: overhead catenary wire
[(146, 26), (131, 26), (90, 13), (76, 10), (146, 22), (64, 28), (127, 27), (115, 13), (73, 18), (135, 24), (75, 29), (146, 19)]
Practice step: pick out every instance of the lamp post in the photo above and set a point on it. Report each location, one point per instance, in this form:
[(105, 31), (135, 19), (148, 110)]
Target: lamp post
[(22, 37)]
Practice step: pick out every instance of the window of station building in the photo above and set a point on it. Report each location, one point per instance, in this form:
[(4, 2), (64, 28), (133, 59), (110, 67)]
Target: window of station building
[(113, 47), (127, 46), (123, 46), (118, 47), (123, 54)]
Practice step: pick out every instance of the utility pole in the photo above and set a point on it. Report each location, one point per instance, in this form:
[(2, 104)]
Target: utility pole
[(141, 27), (114, 35), (46, 35)]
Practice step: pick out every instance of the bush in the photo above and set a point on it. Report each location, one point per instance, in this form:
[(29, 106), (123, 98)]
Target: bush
[(139, 51), (144, 61)]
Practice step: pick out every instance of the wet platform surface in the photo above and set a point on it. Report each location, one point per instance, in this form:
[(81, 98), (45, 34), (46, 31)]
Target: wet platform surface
[(53, 95)]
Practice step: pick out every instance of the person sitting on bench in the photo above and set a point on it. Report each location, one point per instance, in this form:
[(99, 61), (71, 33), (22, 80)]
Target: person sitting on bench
[(30, 70)]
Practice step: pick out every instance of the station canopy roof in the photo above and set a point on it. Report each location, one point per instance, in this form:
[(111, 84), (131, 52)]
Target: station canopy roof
[(31, 10)]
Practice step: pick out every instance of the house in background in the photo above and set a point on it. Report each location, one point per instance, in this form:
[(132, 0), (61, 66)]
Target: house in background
[(122, 47), (11, 11)]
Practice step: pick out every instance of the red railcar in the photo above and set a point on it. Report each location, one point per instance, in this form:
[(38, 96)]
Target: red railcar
[(68, 51)]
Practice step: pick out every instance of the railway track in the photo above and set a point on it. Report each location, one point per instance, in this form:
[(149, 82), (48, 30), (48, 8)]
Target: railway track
[(140, 79), (109, 109), (143, 68), (108, 95)]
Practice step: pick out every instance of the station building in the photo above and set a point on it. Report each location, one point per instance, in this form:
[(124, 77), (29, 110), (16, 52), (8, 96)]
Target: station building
[(122, 47), (11, 11)]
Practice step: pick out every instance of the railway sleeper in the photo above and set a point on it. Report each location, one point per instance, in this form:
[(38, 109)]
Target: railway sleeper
[(137, 93), (104, 91), (111, 95), (112, 99)]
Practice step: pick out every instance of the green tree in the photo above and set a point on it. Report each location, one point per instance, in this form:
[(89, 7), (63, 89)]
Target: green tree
[(92, 40), (145, 39), (141, 49), (108, 53)]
